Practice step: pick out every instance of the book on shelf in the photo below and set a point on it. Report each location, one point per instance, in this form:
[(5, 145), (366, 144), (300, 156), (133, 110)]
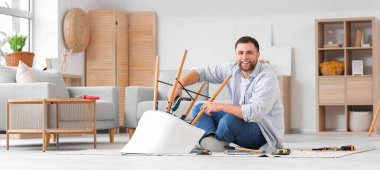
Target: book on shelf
[(358, 38)]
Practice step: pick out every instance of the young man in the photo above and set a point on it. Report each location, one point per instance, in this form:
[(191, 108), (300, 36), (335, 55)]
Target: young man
[(255, 119)]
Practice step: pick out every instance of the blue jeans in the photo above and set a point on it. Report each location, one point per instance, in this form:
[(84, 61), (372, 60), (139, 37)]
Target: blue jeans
[(230, 128)]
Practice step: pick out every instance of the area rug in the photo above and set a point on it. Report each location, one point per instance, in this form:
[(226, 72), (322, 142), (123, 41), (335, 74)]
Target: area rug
[(295, 153)]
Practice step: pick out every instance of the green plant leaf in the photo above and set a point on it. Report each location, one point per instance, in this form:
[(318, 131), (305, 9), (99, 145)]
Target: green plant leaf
[(16, 42)]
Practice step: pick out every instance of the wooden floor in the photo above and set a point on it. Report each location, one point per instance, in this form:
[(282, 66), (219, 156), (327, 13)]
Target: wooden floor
[(27, 154)]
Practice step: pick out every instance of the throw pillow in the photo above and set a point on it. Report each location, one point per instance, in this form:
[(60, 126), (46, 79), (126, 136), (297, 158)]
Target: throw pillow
[(24, 74), (7, 74), (55, 77)]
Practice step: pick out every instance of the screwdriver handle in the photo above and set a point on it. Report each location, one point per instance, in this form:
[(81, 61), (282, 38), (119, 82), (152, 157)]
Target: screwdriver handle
[(348, 148)]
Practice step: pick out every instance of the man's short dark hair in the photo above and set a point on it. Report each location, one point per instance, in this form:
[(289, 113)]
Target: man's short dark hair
[(248, 39)]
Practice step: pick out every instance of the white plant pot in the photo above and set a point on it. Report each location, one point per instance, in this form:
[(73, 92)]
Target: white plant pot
[(360, 121)]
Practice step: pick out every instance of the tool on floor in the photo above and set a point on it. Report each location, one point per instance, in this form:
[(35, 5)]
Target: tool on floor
[(237, 152), (347, 148), (334, 148), (281, 151), (241, 149)]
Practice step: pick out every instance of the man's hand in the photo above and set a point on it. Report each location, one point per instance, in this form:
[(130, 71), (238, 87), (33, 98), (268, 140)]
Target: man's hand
[(178, 92), (211, 107), (188, 79)]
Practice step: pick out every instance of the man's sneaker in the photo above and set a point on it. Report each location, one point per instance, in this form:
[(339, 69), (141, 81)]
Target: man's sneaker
[(212, 144)]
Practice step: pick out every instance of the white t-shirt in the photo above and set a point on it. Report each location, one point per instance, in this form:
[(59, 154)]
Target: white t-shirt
[(243, 88)]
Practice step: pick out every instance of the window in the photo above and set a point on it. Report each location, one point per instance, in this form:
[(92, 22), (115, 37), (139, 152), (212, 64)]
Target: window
[(15, 17)]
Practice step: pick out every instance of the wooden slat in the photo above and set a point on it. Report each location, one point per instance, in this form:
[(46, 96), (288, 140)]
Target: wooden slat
[(68, 101), (142, 48), (25, 101), (107, 54), (284, 82), (376, 66), (63, 131), (100, 54), (25, 131), (122, 60)]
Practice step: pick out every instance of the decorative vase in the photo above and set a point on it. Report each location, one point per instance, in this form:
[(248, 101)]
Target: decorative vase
[(26, 57)]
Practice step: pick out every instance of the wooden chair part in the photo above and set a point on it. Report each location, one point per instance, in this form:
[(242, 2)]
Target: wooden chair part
[(193, 101), (171, 97), (201, 112), (376, 113), (156, 83)]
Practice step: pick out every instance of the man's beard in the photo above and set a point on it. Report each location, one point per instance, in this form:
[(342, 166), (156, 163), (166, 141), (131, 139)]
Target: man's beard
[(250, 68)]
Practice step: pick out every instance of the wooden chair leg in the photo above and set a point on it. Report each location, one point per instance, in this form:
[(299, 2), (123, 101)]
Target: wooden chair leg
[(376, 113), (131, 131), (112, 134)]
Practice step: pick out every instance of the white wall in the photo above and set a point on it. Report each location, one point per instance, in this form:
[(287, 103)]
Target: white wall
[(48, 34), (76, 62), (294, 27), (291, 25), (45, 31)]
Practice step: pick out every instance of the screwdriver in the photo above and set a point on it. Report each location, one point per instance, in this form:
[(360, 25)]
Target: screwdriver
[(334, 148)]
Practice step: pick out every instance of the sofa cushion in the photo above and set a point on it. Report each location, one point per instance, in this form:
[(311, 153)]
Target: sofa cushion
[(7, 74), (55, 77), (168, 76), (104, 111)]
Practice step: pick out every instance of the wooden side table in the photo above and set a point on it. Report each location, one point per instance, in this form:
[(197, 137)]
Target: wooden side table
[(64, 110), (30, 116), (26, 116)]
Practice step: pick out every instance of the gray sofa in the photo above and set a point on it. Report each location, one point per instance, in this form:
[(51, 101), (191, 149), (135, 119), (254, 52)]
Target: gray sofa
[(140, 99), (51, 85)]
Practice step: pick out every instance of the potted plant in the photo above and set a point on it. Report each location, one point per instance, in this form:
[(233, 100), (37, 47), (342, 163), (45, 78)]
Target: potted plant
[(16, 43)]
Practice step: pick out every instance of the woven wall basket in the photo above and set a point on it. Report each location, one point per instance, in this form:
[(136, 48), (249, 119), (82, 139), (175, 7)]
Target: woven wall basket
[(76, 30)]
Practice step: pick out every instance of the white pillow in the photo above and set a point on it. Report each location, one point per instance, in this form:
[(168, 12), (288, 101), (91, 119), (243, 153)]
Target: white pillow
[(24, 74), (55, 77), (7, 74)]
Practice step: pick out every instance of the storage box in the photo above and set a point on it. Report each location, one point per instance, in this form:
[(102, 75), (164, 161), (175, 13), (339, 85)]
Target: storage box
[(360, 121)]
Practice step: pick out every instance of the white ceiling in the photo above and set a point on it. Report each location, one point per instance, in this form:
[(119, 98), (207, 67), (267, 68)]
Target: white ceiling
[(237, 7)]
